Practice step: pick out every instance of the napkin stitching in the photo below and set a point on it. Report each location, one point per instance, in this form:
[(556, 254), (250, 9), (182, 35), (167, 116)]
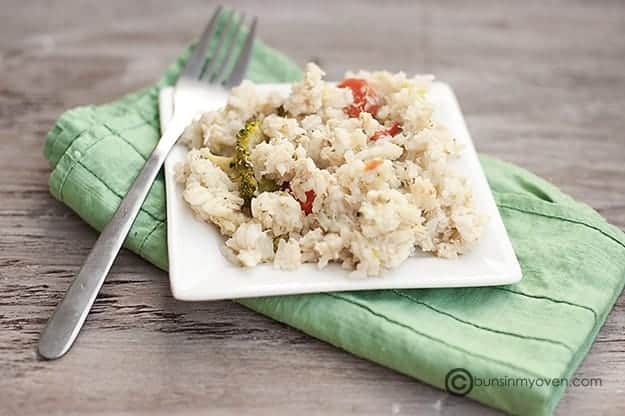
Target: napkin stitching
[(66, 152), (497, 331), (129, 143), (76, 161), (148, 235), (55, 137), (79, 163), (431, 338), (562, 218), (68, 171), (152, 121), (594, 313)]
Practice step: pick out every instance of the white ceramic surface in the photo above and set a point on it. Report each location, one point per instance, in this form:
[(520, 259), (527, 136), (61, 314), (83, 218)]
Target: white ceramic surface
[(198, 270)]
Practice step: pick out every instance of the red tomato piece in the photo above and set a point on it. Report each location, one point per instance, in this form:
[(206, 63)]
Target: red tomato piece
[(308, 204), (391, 131), (365, 98)]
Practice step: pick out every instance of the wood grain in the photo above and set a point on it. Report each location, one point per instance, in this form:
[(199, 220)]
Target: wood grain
[(541, 84)]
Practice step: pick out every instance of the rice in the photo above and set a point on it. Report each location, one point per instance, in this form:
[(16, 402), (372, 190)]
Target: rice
[(357, 173)]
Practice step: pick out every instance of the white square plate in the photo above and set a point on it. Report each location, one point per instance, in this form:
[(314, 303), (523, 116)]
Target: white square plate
[(199, 271)]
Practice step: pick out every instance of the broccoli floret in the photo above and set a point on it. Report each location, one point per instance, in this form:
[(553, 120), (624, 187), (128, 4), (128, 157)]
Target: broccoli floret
[(240, 168), (225, 163), (248, 137)]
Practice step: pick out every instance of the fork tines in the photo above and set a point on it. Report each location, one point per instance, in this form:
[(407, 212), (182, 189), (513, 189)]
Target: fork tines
[(222, 56)]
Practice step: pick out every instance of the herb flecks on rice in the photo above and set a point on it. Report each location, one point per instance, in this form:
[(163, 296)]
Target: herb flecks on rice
[(356, 173)]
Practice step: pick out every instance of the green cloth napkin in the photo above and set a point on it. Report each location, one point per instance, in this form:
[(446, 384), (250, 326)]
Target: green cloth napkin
[(573, 264)]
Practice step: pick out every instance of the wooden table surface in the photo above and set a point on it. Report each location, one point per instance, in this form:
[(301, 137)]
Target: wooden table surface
[(542, 85)]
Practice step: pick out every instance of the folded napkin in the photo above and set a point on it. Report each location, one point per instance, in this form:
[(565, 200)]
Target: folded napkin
[(573, 264)]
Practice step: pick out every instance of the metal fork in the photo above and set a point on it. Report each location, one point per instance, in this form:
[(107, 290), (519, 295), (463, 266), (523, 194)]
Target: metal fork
[(204, 78)]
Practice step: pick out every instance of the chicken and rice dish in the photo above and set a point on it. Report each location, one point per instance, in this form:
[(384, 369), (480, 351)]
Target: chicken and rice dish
[(357, 173)]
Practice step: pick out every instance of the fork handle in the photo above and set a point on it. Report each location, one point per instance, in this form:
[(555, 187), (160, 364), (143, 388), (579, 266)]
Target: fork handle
[(69, 316)]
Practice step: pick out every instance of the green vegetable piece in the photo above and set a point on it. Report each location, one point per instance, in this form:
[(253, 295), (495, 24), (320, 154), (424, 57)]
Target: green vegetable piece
[(248, 137), (267, 185), (223, 162), (239, 167)]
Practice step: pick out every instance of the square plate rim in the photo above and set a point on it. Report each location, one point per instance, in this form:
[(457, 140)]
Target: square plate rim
[(345, 283)]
